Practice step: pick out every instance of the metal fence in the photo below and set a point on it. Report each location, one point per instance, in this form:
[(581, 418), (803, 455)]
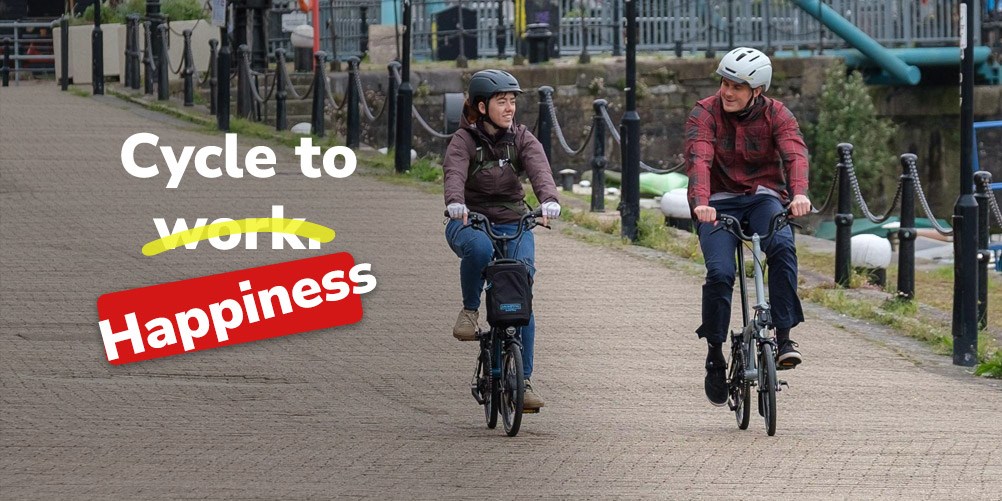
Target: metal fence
[(698, 25), (340, 20), (30, 46), (663, 25)]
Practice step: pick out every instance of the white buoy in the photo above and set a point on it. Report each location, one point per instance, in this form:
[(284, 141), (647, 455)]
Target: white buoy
[(675, 204), (301, 128), (870, 251), (302, 37)]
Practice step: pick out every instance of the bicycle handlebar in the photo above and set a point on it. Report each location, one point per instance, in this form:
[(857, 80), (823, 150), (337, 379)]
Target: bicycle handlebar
[(525, 223), (733, 226)]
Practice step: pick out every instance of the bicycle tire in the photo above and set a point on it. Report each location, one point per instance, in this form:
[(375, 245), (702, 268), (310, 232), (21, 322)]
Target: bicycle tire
[(491, 393), (767, 387), (740, 390), (512, 389)]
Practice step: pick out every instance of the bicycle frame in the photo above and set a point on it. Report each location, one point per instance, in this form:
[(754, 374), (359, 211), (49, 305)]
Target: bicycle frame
[(758, 326)]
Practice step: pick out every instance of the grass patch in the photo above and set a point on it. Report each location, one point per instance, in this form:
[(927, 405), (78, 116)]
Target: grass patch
[(991, 366), (892, 313), (79, 91)]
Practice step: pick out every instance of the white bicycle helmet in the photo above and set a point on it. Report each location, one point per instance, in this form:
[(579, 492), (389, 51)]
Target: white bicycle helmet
[(747, 65)]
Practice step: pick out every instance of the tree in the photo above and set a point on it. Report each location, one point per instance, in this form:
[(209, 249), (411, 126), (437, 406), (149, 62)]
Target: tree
[(846, 114)]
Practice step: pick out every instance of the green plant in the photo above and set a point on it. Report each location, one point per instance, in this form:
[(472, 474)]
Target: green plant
[(108, 15), (426, 170), (183, 10), (847, 115), (596, 86)]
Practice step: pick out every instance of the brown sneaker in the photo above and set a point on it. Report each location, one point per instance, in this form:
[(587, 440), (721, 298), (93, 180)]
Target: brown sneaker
[(531, 401), (466, 325)]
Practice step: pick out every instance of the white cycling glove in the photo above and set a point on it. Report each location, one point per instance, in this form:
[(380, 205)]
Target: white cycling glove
[(457, 210), (551, 210)]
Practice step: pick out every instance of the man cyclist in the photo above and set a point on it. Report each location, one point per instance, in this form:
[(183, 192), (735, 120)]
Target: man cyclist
[(745, 157), (481, 169)]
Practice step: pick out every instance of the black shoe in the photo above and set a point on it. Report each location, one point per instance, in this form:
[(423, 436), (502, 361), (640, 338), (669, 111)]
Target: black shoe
[(715, 383), (788, 356)]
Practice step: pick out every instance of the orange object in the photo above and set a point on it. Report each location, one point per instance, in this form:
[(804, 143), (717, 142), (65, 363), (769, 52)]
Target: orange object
[(304, 5)]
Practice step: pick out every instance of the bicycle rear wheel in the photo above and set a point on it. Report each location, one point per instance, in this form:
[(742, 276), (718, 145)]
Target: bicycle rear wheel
[(739, 389), (767, 387), (512, 388)]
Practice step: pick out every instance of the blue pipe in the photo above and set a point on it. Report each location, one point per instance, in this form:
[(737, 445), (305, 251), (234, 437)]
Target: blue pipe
[(921, 56), (894, 66)]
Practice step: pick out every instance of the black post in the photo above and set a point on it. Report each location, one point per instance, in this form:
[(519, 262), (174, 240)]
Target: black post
[(213, 77), (730, 24), (906, 233), (97, 52), (391, 110), (500, 31), (629, 206), (163, 76), (405, 99), (981, 181), (354, 132), (243, 82), (768, 29), (153, 27), (189, 71), (965, 218), (5, 69), (843, 217), (543, 125), (130, 27), (319, 94), (148, 60), (223, 118), (598, 160), (617, 30), (281, 115), (363, 41), (335, 61), (461, 61), (710, 53), (584, 58), (259, 38), (132, 51), (64, 45)]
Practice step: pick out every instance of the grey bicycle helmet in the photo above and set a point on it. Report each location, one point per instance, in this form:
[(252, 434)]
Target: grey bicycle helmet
[(747, 65), (484, 84)]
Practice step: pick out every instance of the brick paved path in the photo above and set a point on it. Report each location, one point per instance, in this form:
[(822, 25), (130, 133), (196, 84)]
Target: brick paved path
[(382, 408)]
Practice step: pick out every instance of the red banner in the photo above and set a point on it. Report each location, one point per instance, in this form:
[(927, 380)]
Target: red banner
[(232, 308)]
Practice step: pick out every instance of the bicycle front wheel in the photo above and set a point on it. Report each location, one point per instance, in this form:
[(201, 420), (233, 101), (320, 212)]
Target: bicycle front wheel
[(491, 391), (740, 394), (767, 387), (512, 389)]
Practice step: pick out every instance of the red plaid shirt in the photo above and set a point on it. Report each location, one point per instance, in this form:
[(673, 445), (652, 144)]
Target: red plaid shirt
[(727, 154)]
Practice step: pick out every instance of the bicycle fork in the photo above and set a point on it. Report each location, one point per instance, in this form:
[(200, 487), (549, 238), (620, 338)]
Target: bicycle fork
[(756, 331)]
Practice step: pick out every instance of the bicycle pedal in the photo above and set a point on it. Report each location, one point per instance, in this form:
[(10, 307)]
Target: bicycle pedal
[(530, 411)]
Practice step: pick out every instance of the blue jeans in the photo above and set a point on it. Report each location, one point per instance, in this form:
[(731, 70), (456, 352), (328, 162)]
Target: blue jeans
[(475, 251), (719, 252)]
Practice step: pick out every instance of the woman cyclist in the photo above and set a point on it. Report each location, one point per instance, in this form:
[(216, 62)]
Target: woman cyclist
[(482, 167)]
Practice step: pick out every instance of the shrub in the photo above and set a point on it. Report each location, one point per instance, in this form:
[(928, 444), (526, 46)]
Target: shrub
[(174, 10), (846, 114)]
